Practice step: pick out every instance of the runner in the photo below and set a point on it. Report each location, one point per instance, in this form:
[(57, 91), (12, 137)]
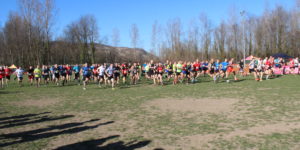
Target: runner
[(252, 68), (37, 75), (110, 74), (68, 72), (133, 74), (2, 76), (259, 70), (55, 72), (124, 72), (76, 70), (179, 74), (46, 74), (19, 73), (152, 71), (230, 69), (63, 74), (170, 71), (30, 75), (7, 72), (86, 74), (160, 72), (117, 71), (101, 72), (224, 66), (95, 73)]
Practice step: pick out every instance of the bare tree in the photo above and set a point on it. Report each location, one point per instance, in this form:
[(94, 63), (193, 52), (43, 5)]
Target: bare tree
[(205, 35), (115, 37), (134, 35)]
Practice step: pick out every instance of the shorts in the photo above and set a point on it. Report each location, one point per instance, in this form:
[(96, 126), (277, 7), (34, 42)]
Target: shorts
[(170, 73), (204, 68), (178, 73), (212, 71), (251, 70), (77, 75), (101, 77), (30, 77), (37, 78), (230, 69), (7, 77), (124, 75), (20, 78), (259, 70), (110, 77), (69, 73), (85, 77), (46, 77), (116, 76), (63, 74), (184, 72), (224, 70), (56, 75)]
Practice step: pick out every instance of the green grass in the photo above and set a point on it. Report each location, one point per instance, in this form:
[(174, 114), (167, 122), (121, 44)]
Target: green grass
[(259, 103)]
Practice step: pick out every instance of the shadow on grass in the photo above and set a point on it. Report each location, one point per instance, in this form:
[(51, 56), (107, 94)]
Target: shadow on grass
[(98, 145), (42, 133), (22, 116), (9, 92), (15, 123)]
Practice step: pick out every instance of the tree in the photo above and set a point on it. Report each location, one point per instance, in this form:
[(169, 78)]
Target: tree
[(134, 35)]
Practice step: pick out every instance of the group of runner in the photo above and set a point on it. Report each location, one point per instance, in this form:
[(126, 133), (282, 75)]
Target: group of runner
[(179, 72)]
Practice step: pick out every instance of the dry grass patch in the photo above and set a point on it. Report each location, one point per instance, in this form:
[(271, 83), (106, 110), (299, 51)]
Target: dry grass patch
[(203, 105), (43, 102)]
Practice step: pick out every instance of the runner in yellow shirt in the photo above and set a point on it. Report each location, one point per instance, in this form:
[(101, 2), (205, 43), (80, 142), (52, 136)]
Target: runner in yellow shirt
[(37, 75)]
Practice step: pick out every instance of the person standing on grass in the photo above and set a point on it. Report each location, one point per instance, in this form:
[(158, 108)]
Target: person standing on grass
[(86, 74), (7, 72), (30, 75), (76, 70), (110, 74), (37, 75), (68, 72), (19, 73)]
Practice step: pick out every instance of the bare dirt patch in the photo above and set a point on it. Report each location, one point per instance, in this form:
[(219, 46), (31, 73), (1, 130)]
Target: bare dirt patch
[(200, 140), (43, 102), (205, 105)]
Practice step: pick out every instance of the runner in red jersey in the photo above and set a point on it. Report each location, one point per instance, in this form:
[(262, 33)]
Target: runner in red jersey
[(124, 69), (2, 76), (7, 73)]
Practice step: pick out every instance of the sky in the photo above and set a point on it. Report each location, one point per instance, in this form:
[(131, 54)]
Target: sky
[(121, 14)]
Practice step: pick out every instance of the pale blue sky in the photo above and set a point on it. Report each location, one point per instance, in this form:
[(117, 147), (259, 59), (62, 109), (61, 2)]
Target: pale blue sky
[(121, 14)]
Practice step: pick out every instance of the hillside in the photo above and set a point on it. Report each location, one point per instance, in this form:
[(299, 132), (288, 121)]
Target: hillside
[(122, 54)]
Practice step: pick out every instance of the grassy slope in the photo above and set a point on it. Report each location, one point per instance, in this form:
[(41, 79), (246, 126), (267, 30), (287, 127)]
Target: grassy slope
[(267, 102)]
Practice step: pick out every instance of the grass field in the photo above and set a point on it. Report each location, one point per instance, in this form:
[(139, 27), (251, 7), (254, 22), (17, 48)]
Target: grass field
[(235, 115)]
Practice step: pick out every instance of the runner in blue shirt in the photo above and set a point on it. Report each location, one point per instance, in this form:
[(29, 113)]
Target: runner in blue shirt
[(224, 66), (76, 70), (86, 74)]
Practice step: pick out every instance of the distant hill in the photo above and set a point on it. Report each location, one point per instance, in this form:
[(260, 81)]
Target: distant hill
[(108, 53)]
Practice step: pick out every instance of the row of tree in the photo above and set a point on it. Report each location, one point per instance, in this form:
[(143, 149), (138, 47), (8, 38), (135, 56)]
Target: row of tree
[(27, 37), (276, 31)]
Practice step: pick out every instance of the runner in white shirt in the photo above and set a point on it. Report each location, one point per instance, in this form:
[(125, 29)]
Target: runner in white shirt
[(20, 72), (101, 72)]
